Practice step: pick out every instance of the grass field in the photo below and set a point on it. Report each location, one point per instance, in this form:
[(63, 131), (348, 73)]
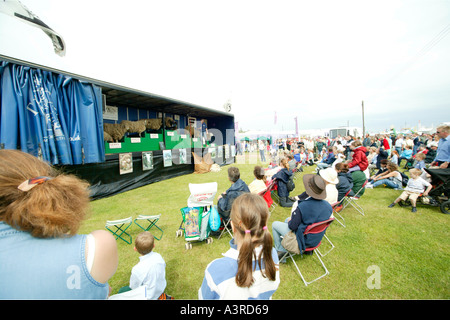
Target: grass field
[(406, 253)]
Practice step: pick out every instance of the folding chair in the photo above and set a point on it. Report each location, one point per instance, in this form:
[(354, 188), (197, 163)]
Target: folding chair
[(336, 210), (268, 198), (119, 228), (350, 201), (274, 192), (314, 228), (151, 222), (298, 170), (272, 189), (226, 227)]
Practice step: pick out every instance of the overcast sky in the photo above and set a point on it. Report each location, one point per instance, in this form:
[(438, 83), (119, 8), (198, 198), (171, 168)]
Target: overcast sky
[(314, 60)]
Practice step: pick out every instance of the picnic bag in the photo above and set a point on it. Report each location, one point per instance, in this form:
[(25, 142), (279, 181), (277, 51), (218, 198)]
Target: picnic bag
[(289, 242)]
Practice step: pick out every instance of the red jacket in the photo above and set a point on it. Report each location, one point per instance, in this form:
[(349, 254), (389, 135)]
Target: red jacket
[(386, 145), (359, 158)]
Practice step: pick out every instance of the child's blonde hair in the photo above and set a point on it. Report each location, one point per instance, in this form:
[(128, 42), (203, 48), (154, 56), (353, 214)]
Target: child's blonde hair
[(420, 156), (415, 172)]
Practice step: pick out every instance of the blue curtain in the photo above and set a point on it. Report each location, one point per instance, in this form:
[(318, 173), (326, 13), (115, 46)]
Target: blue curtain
[(50, 115)]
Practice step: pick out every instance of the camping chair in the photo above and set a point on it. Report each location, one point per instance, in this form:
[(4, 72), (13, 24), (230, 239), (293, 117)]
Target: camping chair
[(151, 222), (336, 210), (272, 189), (314, 228), (268, 198), (119, 228), (226, 227), (352, 200), (274, 192), (297, 171)]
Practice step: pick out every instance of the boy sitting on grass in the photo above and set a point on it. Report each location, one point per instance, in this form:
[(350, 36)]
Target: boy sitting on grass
[(150, 271), (416, 186)]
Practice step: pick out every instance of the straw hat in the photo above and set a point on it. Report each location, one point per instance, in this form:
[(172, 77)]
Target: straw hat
[(329, 175), (314, 186)]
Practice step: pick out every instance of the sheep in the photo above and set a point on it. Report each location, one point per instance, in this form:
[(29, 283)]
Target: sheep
[(107, 137), (171, 124), (115, 130), (136, 126), (154, 124)]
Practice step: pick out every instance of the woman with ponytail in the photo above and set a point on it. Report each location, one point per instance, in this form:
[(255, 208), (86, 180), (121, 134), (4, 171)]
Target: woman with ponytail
[(249, 269), (41, 254)]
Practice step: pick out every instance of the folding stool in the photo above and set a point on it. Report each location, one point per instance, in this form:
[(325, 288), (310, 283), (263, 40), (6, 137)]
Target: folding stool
[(119, 228), (151, 222), (226, 227)]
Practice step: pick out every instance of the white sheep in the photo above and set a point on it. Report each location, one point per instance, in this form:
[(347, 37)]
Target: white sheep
[(154, 124), (115, 130), (135, 126), (107, 137)]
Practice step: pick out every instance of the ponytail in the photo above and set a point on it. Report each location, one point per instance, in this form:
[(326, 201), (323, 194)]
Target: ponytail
[(249, 214)]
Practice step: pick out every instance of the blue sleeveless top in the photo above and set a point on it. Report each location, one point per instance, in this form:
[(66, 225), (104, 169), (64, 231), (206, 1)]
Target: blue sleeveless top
[(54, 268)]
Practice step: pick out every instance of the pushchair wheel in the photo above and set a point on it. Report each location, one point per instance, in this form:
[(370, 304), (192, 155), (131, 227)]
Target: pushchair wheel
[(179, 233), (406, 203), (188, 246), (209, 240), (445, 207)]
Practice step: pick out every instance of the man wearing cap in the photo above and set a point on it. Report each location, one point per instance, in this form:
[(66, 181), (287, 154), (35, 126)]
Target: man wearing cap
[(305, 212)]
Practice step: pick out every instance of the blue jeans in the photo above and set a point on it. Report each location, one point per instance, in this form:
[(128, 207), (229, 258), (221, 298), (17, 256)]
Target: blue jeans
[(323, 165), (279, 229), (390, 183), (262, 155)]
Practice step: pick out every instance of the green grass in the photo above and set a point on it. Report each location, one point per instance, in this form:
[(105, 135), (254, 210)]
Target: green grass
[(411, 250)]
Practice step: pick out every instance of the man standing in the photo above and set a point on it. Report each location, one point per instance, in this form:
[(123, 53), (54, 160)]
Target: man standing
[(204, 131)]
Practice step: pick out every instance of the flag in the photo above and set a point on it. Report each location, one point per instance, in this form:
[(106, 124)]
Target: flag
[(296, 126), (275, 119)]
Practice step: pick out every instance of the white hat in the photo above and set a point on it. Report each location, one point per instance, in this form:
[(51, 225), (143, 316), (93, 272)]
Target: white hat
[(329, 175)]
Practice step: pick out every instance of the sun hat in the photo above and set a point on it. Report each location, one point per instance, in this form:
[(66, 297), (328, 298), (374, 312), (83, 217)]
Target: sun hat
[(329, 175), (314, 186)]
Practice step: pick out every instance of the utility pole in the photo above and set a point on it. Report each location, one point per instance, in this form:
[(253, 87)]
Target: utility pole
[(364, 127)]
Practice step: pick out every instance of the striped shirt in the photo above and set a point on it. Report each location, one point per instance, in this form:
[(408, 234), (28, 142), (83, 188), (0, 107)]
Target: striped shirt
[(220, 283)]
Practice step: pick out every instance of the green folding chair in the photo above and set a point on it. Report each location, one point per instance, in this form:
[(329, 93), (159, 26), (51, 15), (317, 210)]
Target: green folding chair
[(149, 222), (119, 228)]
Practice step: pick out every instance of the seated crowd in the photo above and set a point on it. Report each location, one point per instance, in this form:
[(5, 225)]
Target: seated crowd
[(42, 210)]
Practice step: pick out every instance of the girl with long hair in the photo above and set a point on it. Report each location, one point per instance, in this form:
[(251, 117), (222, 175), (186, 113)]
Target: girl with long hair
[(249, 269)]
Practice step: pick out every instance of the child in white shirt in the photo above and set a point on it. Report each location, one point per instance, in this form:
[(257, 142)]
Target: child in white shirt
[(150, 271), (416, 186)]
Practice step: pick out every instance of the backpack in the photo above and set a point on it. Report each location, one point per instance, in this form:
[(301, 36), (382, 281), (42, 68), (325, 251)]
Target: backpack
[(290, 185), (405, 179)]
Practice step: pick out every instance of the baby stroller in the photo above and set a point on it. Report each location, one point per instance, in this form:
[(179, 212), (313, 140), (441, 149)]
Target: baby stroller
[(195, 223), (440, 191)]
